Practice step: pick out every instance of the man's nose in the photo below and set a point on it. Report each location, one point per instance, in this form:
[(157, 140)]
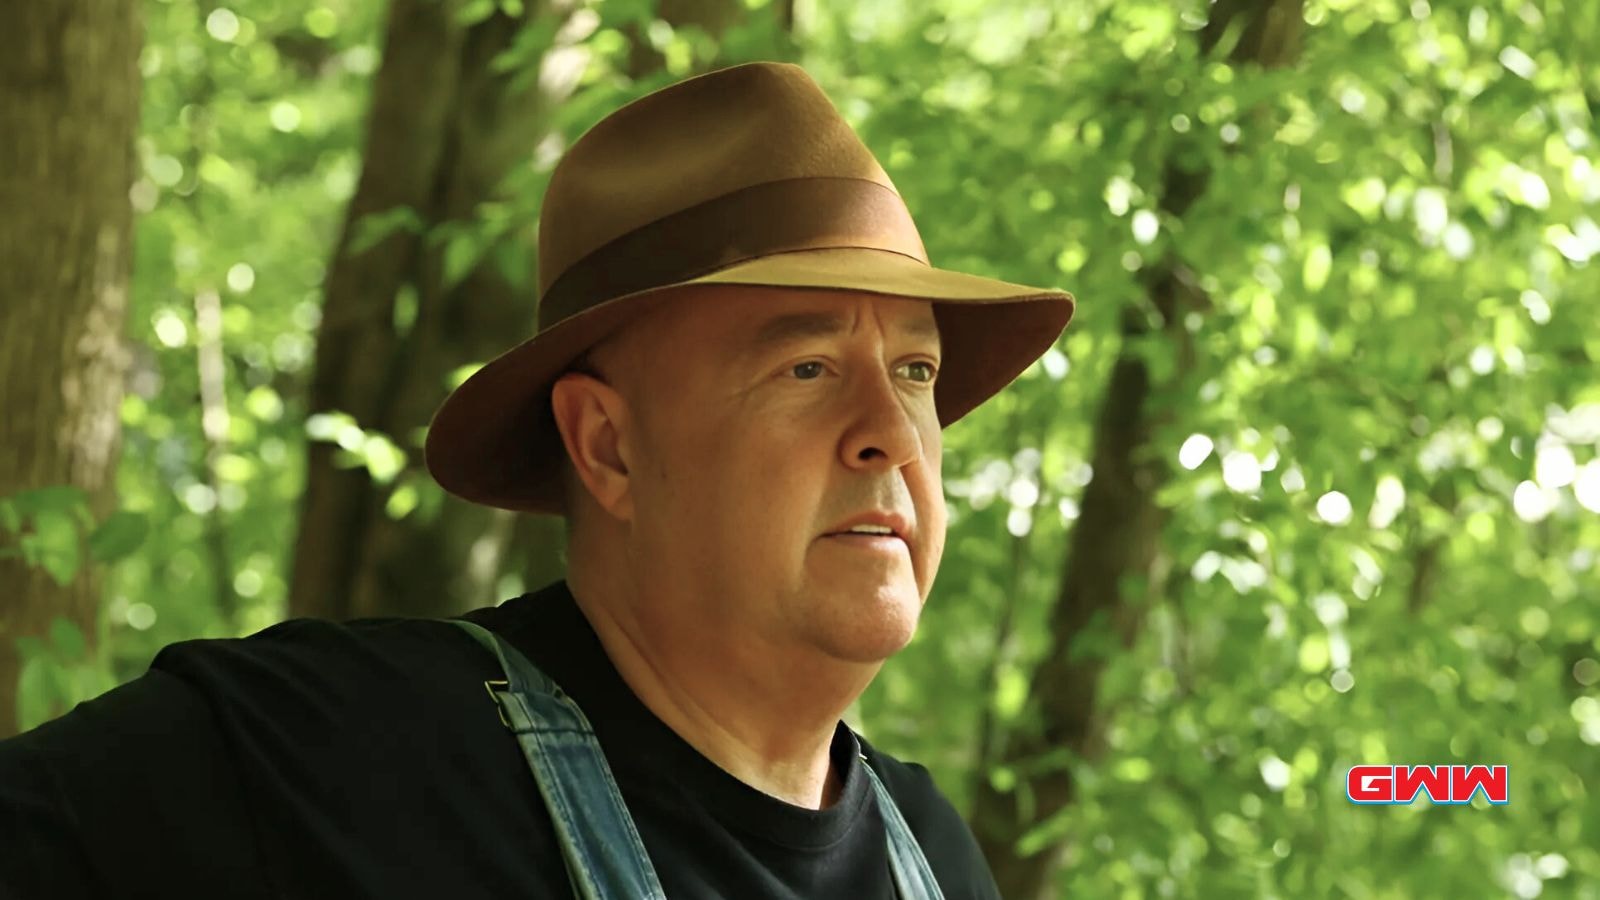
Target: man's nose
[(883, 423)]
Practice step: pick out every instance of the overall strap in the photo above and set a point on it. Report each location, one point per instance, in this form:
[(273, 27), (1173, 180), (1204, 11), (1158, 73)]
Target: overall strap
[(913, 877), (605, 857)]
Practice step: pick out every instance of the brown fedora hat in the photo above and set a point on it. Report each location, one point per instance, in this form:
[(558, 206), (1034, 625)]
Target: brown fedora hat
[(744, 176)]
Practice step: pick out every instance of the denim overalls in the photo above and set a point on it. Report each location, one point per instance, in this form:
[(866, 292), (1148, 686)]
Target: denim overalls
[(605, 857)]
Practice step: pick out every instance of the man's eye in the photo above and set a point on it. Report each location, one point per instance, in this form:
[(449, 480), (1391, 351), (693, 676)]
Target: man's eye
[(920, 371)]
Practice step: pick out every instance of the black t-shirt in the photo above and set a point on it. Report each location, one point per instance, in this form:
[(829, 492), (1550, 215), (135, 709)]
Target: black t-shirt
[(365, 759)]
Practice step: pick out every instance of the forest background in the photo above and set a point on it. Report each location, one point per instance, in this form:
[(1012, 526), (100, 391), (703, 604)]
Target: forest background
[(1311, 481)]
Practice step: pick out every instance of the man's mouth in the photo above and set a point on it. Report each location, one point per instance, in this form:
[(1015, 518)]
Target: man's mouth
[(880, 542)]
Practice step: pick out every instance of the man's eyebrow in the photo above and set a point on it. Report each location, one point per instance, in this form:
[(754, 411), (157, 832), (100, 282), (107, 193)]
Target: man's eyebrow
[(788, 327)]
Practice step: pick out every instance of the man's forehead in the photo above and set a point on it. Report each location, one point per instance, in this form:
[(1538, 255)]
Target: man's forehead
[(823, 315), (755, 319), (781, 327)]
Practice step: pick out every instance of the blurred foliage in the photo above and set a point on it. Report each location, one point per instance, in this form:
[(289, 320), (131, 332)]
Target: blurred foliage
[(1386, 508), (251, 145), (1385, 517)]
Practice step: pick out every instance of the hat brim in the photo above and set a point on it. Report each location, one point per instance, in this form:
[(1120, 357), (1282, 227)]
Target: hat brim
[(493, 441)]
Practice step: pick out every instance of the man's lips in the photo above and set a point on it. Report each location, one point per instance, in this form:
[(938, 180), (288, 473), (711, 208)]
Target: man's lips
[(899, 526), (871, 543)]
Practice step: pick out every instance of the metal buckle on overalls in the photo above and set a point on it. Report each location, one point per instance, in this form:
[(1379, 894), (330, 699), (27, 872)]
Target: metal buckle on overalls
[(489, 686)]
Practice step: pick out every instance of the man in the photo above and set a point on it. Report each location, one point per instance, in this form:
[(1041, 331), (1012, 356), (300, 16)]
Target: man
[(736, 396)]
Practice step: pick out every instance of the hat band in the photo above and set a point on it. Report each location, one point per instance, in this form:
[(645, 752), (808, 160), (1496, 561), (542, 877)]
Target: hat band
[(820, 213)]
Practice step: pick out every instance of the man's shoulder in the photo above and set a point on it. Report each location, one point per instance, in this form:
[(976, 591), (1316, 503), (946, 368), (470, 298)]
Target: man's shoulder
[(941, 832), (913, 789), (322, 651), (331, 674), (326, 677)]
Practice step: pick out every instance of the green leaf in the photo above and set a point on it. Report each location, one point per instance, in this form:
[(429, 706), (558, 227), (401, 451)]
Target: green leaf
[(373, 229), (60, 498), (459, 375), (405, 308), (1134, 769), (401, 502), (384, 460), (1307, 332), (461, 257), (475, 11), (55, 545), (532, 41), (120, 535), (1313, 655), (1095, 641), (620, 13), (35, 692), (514, 263), (68, 639), (1011, 692), (1319, 262), (29, 647)]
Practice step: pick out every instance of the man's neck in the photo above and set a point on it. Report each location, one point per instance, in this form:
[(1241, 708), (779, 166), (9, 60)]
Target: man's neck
[(765, 715)]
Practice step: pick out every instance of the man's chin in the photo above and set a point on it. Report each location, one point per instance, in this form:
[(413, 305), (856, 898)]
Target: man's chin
[(872, 628)]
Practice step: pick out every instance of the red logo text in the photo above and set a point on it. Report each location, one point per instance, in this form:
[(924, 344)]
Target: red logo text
[(1440, 784)]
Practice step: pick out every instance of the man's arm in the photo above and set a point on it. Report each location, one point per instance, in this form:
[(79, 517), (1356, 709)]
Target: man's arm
[(130, 794)]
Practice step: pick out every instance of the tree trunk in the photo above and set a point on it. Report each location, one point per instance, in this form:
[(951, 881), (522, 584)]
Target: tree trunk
[(69, 97), (445, 130), (1114, 542)]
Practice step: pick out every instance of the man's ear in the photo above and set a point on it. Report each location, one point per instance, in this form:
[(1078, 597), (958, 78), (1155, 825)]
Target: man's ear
[(593, 420)]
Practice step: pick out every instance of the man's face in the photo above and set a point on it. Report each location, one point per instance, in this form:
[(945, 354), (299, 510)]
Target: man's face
[(764, 421)]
